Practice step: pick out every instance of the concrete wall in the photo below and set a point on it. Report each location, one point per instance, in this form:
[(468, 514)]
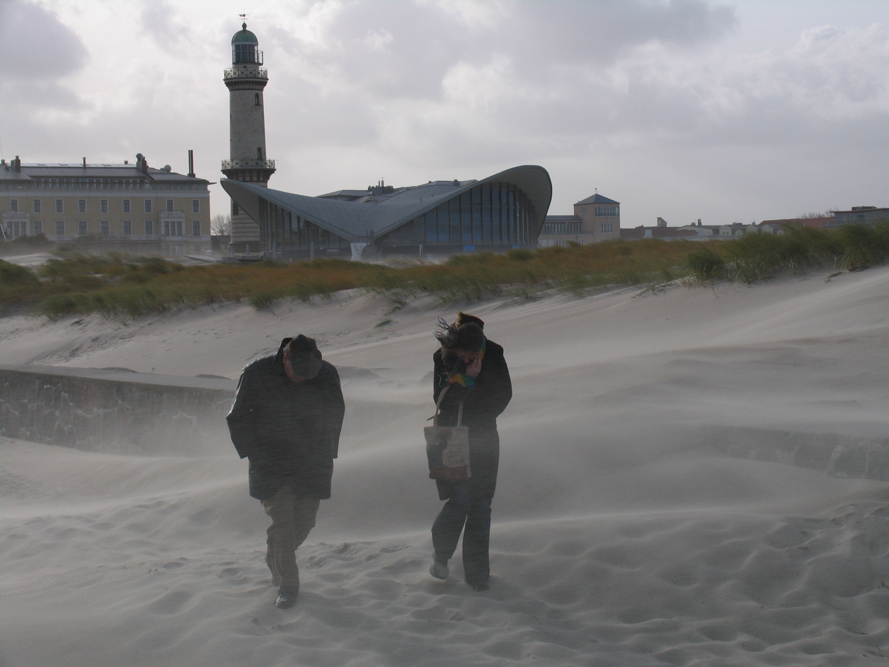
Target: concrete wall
[(115, 410), (834, 454)]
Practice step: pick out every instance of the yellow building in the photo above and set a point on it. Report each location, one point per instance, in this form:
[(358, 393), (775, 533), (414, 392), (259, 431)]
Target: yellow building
[(126, 207), (595, 219)]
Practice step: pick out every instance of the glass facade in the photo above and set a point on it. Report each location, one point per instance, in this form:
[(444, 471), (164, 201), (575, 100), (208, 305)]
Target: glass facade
[(488, 216), (290, 234)]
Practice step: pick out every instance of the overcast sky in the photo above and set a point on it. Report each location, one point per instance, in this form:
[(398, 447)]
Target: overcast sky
[(728, 111)]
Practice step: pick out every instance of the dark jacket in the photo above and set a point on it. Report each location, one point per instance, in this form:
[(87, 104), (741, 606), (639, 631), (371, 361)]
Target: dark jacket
[(289, 430), (481, 407)]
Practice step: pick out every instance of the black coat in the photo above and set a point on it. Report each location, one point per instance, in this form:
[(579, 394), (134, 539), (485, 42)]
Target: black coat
[(289, 430), (481, 407)]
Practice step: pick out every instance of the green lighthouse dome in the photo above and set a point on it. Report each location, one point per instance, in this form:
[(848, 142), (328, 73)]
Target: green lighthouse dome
[(245, 48), (244, 36)]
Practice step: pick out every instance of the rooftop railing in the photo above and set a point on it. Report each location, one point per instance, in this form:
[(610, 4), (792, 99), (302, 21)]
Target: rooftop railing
[(247, 164), (246, 73)]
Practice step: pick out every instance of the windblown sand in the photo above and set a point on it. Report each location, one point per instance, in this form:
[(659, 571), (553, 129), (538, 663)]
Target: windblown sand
[(623, 534)]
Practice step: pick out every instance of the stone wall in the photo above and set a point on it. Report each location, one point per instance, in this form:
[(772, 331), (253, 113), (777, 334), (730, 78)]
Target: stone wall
[(115, 410), (834, 454)]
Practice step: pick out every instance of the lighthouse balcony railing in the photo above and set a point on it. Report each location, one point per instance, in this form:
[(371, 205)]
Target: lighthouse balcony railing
[(243, 72), (248, 164)]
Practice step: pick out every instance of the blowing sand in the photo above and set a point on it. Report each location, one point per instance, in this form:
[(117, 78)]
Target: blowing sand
[(623, 534)]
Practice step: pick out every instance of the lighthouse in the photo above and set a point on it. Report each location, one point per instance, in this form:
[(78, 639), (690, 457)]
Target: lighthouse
[(248, 163)]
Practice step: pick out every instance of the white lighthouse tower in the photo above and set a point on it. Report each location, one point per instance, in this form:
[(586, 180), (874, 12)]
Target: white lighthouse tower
[(248, 161)]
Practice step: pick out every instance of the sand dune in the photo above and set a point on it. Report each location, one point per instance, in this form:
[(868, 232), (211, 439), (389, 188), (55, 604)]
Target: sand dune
[(624, 532)]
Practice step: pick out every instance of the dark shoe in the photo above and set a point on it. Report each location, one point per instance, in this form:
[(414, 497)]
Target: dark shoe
[(286, 598), (480, 588), (438, 569)]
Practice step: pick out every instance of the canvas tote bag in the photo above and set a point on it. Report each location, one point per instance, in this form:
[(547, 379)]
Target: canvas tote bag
[(447, 447)]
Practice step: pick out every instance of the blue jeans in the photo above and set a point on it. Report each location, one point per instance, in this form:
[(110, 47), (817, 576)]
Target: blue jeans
[(472, 517)]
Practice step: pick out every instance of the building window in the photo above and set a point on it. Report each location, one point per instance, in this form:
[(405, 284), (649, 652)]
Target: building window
[(169, 206), (173, 228), (103, 206), (195, 205), (148, 206), (14, 205), (126, 205), (81, 228), (149, 228), (607, 227), (257, 100), (81, 205), (606, 211), (37, 206), (38, 228), (103, 228), (195, 227), (60, 206), (60, 228), (127, 228)]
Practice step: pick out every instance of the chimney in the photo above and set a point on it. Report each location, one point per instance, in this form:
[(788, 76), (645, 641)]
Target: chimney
[(17, 164), (190, 163), (84, 163)]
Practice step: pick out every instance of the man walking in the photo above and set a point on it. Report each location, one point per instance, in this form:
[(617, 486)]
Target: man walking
[(286, 420)]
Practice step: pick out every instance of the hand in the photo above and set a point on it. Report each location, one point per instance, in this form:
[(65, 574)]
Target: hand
[(474, 368)]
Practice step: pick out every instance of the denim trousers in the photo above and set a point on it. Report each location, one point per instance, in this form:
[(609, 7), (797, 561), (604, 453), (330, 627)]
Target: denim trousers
[(472, 517), (293, 517)]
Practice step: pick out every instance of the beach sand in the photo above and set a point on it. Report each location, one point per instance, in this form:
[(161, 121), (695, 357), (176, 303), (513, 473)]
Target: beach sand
[(623, 533)]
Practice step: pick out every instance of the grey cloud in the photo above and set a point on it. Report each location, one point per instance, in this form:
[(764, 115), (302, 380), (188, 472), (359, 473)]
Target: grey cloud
[(404, 50), (158, 20), (35, 45)]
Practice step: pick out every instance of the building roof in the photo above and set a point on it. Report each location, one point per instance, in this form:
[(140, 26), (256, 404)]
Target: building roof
[(563, 218), (597, 199), (799, 222), (30, 172), (642, 232), (244, 36), (378, 214)]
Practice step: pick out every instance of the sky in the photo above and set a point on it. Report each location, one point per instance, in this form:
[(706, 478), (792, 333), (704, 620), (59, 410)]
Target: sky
[(728, 111)]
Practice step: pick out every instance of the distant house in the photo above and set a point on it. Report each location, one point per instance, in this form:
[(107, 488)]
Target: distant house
[(777, 226), (595, 219), (863, 215), (661, 231), (693, 232)]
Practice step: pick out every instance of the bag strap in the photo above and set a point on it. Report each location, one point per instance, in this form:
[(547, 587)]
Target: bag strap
[(438, 408)]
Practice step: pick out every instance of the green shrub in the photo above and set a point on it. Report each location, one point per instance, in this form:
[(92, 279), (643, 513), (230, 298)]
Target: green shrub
[(13, 275), (705, 264)]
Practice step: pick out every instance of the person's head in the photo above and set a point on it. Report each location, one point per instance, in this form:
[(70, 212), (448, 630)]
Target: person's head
[(302, 359), (468, 341), (464, 338)]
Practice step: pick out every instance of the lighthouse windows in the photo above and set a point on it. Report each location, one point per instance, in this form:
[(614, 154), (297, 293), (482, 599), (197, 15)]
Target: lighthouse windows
[(257, 100)]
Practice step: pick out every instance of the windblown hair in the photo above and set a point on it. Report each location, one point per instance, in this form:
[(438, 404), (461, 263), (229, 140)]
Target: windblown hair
[(466, 333)]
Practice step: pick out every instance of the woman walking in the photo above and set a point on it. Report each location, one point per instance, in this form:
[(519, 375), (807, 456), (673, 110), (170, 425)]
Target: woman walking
[(474, 372)]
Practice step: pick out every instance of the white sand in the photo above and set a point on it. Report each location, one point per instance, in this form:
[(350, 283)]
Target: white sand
[(622, 535)]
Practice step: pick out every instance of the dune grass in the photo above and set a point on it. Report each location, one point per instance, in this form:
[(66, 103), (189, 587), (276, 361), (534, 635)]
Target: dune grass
[(755, 257), (131, 286)]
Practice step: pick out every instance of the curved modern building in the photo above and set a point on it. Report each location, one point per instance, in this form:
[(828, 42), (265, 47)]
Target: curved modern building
[(497, 213)]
